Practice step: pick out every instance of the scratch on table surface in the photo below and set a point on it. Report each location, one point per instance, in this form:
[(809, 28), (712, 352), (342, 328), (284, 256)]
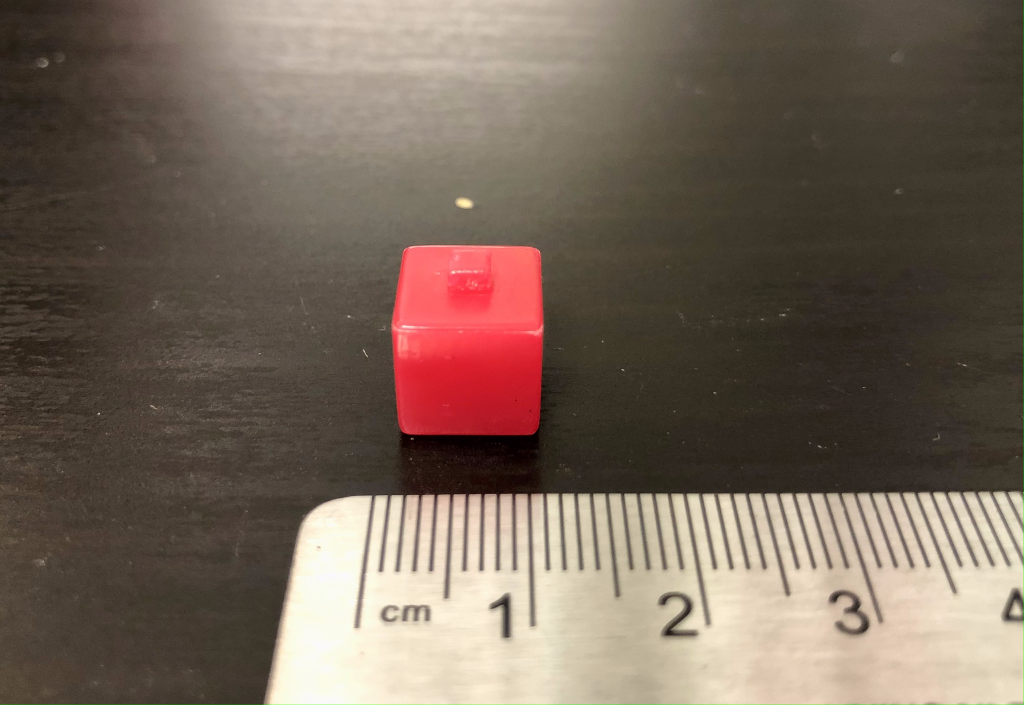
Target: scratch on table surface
[(46, 199), (53, 198), (151, 174), (241, 534), (309, 324)]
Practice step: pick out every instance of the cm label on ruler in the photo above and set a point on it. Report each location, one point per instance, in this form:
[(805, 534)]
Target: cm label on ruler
[(612, 588)]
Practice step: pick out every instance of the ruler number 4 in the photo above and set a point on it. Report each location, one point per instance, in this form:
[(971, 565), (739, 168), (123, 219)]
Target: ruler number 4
[(854, 608)]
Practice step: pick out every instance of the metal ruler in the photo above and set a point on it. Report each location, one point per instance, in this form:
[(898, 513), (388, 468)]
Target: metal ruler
[(874, 597)]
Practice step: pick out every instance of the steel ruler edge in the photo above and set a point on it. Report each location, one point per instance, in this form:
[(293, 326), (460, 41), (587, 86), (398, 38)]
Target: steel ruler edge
[(837, 597)]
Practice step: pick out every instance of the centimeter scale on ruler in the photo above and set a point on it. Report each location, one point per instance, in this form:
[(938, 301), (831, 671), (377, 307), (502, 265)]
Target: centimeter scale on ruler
[(439, 582)]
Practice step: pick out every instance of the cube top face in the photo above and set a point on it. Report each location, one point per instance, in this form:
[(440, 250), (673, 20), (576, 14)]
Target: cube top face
[(469, 288)]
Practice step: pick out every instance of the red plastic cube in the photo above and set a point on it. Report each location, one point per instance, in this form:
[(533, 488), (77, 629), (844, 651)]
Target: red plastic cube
[(468, 339)]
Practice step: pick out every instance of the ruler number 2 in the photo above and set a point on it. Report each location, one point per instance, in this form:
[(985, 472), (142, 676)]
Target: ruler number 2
[(854, 609), (670, 628)]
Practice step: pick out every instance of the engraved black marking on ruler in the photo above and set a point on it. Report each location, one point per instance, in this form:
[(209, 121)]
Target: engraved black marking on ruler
[(739, 532), (661, 540), (416, 540), (611, 542), (561, 528), (515, 552), (401, 536), (942, 559), (593, 526), (992, 528), (483, 504), (778, 554), (867, 530), (643, 532), (384, 535), (945, 529), (917, 536), (725, 536), (465, 532), (497, 532), (977, 530), (696, 561), (821, 534), (1014, 508), (579, 534), (885, 534), (803, 530), (675, 531), (1006, 524), (366, 558), (547, 541), (448, 550), (789, 535), (625, 526), (757, 534), (433, 536), (529, 547), (835, 531), (959, 525), (707, 533), (899, 530), (860, 559)]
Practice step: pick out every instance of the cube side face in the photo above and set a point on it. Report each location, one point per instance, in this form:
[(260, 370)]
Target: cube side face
[(468, 382)]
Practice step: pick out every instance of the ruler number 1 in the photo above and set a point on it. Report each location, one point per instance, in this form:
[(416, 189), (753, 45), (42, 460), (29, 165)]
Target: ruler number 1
[(505, 603), (670, 628), (854, 608)]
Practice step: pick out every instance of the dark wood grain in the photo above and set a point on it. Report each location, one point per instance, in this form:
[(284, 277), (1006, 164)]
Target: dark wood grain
[(782, 251)]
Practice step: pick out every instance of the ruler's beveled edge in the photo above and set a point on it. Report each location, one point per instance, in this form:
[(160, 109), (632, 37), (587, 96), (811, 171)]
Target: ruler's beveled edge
[(327, 510), (325, 516)]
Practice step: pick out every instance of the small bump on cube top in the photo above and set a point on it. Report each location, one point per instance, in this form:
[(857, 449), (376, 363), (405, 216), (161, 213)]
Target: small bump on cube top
[(469, 271)]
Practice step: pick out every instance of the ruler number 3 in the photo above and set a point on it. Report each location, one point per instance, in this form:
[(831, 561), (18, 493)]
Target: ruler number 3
[(854, 609), (670, 628)]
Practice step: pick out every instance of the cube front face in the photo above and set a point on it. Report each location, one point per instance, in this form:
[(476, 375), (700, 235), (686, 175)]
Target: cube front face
[(474, 383), (468, 357)]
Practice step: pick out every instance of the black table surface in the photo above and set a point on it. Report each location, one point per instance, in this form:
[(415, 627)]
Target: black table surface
[(782, 252)]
